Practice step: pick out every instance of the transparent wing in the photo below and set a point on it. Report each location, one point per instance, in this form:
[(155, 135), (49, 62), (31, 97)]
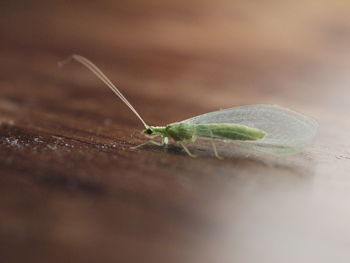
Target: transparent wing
[(287, 131)]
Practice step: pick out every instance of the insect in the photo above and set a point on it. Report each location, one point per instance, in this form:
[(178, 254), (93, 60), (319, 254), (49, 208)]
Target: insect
[(261, 128)]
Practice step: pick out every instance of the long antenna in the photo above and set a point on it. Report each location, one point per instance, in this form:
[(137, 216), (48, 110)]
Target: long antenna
[(94, 69)]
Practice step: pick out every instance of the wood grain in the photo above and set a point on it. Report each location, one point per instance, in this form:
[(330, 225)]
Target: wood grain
[(71, 188)]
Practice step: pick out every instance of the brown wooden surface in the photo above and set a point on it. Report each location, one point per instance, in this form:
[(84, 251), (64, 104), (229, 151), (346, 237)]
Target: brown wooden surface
[(72, 190)]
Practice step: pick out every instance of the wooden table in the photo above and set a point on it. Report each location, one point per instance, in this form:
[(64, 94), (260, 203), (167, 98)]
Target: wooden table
[(71, 188)]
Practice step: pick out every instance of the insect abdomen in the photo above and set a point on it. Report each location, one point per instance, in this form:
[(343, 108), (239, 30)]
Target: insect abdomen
[(228, 131)]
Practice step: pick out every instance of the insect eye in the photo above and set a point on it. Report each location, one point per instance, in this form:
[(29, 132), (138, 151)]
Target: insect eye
[(149, 131)]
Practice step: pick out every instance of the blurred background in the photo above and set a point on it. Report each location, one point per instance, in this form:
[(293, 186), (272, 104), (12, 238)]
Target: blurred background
[(72, 190), (292, 50)]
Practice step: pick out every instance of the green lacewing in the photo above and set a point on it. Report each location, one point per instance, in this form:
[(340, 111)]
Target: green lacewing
[(260, 128)]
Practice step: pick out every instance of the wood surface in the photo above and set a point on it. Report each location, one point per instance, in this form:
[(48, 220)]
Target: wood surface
[(72, 190)]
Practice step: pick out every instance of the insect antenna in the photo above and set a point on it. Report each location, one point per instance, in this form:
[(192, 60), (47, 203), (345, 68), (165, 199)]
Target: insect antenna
[(94, 69)]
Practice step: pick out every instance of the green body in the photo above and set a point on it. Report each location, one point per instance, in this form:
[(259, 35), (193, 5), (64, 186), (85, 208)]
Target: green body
[(184, 132)]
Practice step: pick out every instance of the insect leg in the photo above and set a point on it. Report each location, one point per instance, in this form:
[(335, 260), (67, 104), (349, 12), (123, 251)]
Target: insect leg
[(216, 151), (214, 147), (186, 150), (166, 140), (148, 142)]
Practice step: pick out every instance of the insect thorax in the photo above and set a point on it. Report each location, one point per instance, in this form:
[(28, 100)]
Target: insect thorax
[(181, 131)]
